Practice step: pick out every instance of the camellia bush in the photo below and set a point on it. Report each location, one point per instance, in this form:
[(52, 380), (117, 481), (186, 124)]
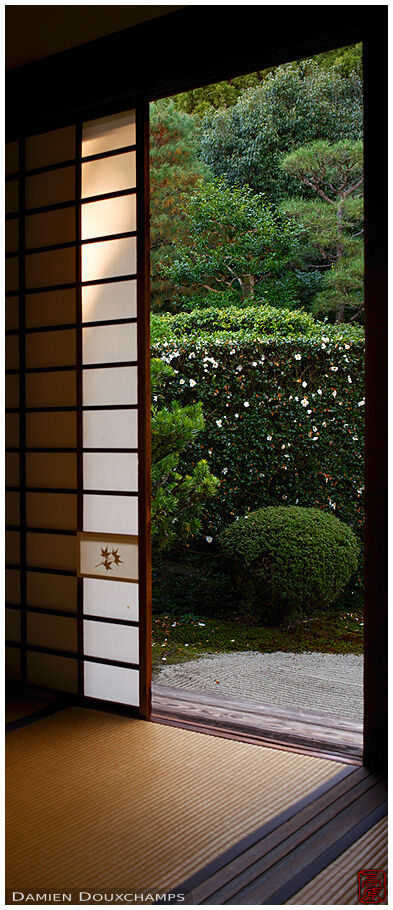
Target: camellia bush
[(284, 412)]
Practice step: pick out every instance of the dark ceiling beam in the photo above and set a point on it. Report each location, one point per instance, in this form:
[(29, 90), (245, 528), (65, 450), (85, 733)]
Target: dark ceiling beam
[(190, 47)]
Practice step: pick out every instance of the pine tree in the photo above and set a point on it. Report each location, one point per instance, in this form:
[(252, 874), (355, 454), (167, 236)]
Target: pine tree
[(332, 220), (178, 500), (174, 172)]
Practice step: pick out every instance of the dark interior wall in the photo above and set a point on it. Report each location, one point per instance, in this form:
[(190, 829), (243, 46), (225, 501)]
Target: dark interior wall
[(198, 45), (33, 32)]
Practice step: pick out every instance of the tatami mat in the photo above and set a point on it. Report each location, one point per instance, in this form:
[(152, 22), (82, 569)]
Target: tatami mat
[(103, 802), (338, 883)]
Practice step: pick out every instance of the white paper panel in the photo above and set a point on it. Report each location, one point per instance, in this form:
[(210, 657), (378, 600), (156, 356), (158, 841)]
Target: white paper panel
[(110, 429), (108, 259), (109, 175), (108, 557), (12, 235), (50, 148), (51, 469), (108, 133), (109, 301), (12, 429), (55, 632), (11, 352), (11, 196), (109, 471), (54, 348), (52, 672), (109, 216), (50, 188), (110, 514), (55, 592), (49, 228), (114, 599), (51, 510), (11, 269), (117, 684), (12, 547), (109, 343), (51, 551), (50, 308), (12, 586), (51, 430), (11, 157), (12, 664), (47, 390), (112, 642), (11, 313), (12, 514), (51, 268), (110, 386), (12, 469), (12, 625), (11, 384)]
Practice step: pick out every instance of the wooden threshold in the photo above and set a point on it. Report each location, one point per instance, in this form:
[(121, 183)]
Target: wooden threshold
[(331, 736), (282, 856)]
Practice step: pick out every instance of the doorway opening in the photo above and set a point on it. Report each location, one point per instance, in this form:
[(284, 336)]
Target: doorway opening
[(257, 354)]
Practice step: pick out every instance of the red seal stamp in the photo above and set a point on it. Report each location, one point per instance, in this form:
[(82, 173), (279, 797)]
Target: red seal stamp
[(372, 886)]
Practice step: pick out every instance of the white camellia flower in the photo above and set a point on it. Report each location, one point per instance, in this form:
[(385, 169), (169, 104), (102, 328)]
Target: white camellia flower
[(361, 403), (349, 379), (298, 356), (236, 415), (319, 391), (304, 402), (246, 404), (225, 470), (182, 381), (334, 393), (304, 384), (254, 363), (219, 423), (269, 438), (209, 539), (192, 383)]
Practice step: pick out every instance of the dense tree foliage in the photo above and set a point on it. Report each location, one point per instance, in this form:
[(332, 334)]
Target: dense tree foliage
[(234, 239), (293, 106), (345, 60)]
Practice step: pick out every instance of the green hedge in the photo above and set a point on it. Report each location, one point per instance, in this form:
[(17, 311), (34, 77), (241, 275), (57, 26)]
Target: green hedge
[(259, 320), (269, 438)]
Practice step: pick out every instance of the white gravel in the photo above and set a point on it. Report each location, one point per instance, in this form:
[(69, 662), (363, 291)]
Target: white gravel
[(325, 683)]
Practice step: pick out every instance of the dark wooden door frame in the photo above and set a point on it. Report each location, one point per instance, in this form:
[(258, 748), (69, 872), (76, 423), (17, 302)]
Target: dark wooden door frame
[(163, 57)]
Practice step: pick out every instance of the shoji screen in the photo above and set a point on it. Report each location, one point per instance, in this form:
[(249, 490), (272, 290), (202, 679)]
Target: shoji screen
[(77, 446)]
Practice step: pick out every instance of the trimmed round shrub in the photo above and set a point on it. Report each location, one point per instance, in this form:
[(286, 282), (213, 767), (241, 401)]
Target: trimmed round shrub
[(287, 561)]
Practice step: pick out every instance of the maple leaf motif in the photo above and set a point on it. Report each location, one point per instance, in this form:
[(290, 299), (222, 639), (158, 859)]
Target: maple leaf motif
[(116, 557)]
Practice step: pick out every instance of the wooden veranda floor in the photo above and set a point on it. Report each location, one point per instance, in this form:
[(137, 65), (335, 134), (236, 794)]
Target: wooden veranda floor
[(330, 736)]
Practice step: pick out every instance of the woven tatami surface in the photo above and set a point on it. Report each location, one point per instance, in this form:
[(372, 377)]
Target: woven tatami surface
[(338, 883), (102, 802)]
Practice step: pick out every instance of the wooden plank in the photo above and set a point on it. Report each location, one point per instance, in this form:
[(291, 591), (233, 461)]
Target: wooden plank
[(289, 725), (167, 695)]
